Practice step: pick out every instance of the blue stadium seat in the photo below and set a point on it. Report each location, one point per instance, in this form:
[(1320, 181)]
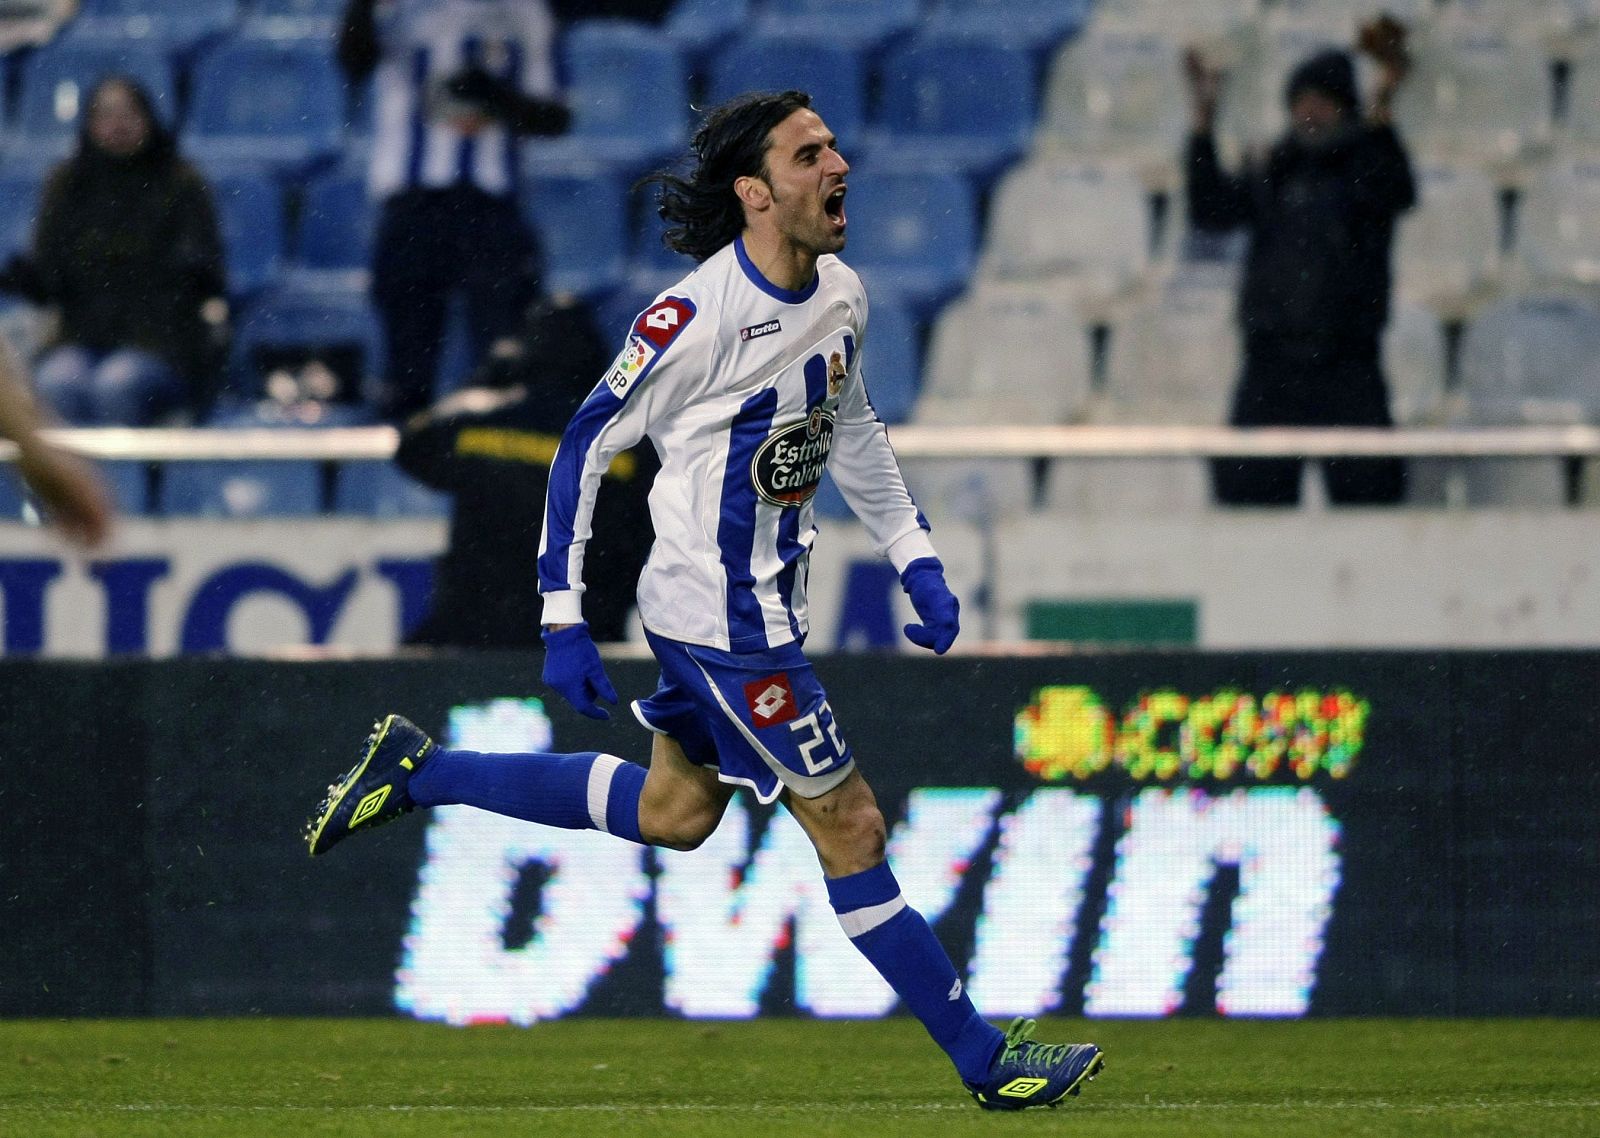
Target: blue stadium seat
[(915, 230), (628, 89), (56, 81), (699, 26), (860, 23), (128, 483), (1038, 25), (246, 488), (180, 26), (312, 313), (581, 216), (382, 490), (830, 69), (19, 209), (279, 103), (337, 221), (893, 353), (250, 214), (958, 99), (293, 19), (649, 254)]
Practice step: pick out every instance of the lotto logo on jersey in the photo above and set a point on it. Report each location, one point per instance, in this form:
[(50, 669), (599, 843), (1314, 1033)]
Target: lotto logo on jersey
[(661, 323), (771, 700)]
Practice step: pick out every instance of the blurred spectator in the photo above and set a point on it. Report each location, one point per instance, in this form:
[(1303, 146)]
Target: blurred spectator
[(71, 492), (1320, 209), (490, 446), (29, 23), (458, 84), (127, 250)]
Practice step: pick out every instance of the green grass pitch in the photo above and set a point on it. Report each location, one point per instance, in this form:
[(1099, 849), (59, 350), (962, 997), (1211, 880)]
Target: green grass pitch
[(776, 1077)]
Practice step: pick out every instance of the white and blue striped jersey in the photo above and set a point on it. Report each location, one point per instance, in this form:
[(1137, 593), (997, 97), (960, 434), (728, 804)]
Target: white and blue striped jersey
[(746, 390), (424, 42)]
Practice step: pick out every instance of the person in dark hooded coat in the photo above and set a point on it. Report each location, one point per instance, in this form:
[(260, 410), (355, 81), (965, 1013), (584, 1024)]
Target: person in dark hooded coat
[(127, 250), (1320, 210)]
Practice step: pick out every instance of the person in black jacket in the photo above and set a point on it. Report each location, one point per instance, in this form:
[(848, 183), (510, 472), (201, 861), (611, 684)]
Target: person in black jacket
[(490, 446), (1320, 210)]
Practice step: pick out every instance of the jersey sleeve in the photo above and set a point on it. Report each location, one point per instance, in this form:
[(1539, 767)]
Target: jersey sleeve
[(664, 355), (864, 466)]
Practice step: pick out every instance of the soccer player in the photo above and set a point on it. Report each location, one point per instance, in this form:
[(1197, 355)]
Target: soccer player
[(747, 378)]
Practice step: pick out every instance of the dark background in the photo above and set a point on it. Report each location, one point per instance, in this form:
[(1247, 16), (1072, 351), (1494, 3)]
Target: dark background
[(151, 863)]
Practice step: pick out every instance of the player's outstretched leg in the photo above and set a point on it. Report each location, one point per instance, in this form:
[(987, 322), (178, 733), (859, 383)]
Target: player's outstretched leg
[(1026, 1073), (374, 791), (401, 769)]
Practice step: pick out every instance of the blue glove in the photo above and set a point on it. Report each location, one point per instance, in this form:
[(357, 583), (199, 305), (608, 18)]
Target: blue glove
[(572, 667), (936, 605)]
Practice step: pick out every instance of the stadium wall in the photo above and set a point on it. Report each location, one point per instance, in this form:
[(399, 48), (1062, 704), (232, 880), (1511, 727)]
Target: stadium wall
[(1340, 579), (1116, 834)]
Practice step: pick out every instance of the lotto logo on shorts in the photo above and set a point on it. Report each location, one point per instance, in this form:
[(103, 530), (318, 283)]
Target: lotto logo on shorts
[(770, 700)]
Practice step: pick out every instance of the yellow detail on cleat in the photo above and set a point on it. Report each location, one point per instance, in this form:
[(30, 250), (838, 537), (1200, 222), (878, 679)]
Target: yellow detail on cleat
[(369, 806), (406, 762), (1016, 1088)]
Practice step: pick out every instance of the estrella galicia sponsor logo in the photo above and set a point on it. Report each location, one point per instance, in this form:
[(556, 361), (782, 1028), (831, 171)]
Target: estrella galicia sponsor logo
[(757, 330), (788, 467)]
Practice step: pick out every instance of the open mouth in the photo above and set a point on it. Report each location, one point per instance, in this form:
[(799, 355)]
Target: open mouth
[(833, 206)]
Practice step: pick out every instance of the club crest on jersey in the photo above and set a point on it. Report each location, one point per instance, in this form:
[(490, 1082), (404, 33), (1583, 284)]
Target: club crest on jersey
[(788, 466), (770, 700), (836, 374), (757, 330)]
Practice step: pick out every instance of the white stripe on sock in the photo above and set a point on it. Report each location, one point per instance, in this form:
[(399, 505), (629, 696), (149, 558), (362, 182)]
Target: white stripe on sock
[(600, 776), (858, 921)]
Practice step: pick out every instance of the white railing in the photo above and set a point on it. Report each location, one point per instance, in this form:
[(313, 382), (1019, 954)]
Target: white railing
[(353, 443)]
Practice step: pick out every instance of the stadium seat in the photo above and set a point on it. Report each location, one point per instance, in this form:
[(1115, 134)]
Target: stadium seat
[(628, 89), (965, 101), (19, 210), (830, 69), (1534, 357), (280, 104), (1038, 25), (700, 26), (893, 350), (382, 490), (325, 315), (250, 214), (581, 216), (180, 26), (1117, 88), (1008, 352), (1448, 245), (913, 230), (1174, 359), (337, 221), (1058, 215), (1560, 220), (1581, 121), (293, 19), (56, 81), (247, 488), (1480, 90), (1257, 65), (1415, 363), (128, 482), (868, 24)]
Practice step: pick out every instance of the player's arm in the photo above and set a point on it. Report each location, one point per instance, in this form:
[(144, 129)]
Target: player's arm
[(864, 466), (642, 382)]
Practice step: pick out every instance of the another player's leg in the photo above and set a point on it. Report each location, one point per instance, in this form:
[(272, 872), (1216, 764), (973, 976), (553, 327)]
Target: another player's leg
[(1002, 1071)]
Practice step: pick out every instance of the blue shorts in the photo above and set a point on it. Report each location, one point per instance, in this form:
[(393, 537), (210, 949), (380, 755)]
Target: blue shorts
[(759, 719)]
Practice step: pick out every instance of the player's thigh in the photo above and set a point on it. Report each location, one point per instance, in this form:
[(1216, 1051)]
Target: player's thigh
[(681, 803), (844, 824)]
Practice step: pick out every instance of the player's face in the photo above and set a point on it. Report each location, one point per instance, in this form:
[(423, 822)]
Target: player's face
[(806, 173)]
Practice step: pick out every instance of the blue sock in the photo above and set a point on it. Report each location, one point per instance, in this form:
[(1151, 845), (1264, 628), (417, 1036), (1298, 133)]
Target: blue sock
[(900, 945), (586, 791)]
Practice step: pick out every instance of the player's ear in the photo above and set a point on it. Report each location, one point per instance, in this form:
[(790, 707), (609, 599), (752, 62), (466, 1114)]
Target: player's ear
[(753, 192)]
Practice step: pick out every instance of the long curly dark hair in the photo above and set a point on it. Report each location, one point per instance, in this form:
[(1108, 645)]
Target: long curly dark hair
[(730, 144)]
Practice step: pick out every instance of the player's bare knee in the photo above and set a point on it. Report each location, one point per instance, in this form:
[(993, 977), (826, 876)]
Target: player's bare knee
[(680, 831)]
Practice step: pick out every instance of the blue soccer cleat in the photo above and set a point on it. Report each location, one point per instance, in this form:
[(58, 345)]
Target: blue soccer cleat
[(374, 792), (1026, 1073)]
